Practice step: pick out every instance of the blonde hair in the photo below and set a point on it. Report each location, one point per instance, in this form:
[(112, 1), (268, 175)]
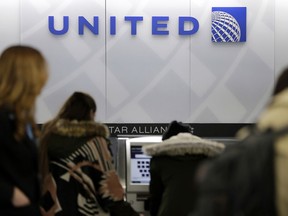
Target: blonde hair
[(23, 73)]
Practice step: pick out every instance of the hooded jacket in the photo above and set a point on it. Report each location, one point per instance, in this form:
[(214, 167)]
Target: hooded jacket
[(82, 179), (172, 168)]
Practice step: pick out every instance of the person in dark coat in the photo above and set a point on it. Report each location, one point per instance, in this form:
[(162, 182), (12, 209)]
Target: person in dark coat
[(251, 178), (172, 168), (23, 73), (79, 178)]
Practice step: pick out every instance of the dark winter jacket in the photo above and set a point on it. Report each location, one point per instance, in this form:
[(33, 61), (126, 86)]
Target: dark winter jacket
[(240, 182), (83, 180), (172, 168), (19, 168), (250, 178)]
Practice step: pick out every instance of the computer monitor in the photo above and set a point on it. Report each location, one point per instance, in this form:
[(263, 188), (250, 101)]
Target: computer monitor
[(138, 164)]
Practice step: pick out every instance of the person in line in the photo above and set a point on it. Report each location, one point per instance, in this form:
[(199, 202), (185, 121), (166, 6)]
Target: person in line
[(282, 82), (79, 178), (172, 169), (23, 73), (251, 178)]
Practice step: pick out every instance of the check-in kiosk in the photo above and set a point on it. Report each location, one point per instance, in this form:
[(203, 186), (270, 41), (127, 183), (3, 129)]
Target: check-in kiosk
[(134, 171), (138, 172)]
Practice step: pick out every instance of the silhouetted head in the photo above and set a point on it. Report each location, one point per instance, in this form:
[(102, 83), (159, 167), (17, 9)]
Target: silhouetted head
[(79, 106), (282, 82), (174, 128)]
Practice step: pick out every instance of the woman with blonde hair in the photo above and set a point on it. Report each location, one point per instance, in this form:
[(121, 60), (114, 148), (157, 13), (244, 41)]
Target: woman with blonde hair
[(23, 73)]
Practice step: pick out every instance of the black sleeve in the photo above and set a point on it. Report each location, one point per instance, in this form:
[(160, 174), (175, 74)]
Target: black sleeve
[(6, 186), (122, 208), (156, 187)]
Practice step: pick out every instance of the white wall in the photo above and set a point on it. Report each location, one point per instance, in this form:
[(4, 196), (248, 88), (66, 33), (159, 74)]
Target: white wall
[(10, 23), (281, 35), (121, 100)]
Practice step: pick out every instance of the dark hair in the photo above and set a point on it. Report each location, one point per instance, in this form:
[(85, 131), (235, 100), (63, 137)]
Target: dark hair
[(78, 107), (282, 82), (174, 128)]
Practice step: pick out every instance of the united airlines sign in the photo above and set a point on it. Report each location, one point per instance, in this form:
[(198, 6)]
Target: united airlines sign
[(228, 24), (159, 25)]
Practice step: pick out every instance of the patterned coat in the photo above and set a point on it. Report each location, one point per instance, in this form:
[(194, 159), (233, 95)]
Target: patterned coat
[(82, 179)]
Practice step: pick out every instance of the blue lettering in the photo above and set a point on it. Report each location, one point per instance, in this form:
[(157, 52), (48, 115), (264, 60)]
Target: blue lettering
[(52, 29), (112, 25), (187, 25), (93, 28), (181, 26), (157, 24), (133, 21)]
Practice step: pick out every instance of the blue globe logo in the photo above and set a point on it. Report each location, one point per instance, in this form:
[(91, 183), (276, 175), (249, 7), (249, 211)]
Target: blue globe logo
[(225, 27)]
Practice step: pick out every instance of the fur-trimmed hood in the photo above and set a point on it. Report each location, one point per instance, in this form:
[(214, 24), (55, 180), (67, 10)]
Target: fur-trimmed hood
[(183, 144), (80, 128)]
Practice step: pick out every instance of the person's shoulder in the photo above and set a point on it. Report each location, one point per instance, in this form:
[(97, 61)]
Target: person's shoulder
[(259, 140), (101, 130), (75, 128)]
